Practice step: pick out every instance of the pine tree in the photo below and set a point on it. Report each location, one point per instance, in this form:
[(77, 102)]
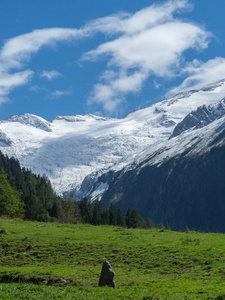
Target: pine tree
[(161, 226), (105, 216), (66, 213), (128, 218), (186, 229), (167, 226), (85, 211), (150, 224), (77, 214), (136, 220), (45, 201), (112, 215), (96, 214), (30, 195), (10, 201), (120, 218)]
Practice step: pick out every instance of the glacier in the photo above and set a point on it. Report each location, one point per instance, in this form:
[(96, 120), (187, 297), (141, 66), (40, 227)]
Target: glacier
[(73, 151)]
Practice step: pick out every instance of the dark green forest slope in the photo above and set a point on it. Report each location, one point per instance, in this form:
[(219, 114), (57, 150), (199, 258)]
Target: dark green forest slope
[(24, 194), (35, 191)]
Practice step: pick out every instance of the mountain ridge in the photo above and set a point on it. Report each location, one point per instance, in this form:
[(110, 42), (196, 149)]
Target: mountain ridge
[(73, 151)]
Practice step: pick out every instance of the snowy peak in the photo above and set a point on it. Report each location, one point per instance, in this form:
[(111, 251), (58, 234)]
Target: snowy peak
[(201, 117), (80, 118), (213, 86), (32, 120), (209, 88)]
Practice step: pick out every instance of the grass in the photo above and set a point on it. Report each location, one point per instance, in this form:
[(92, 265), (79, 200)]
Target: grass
[(56, 261)]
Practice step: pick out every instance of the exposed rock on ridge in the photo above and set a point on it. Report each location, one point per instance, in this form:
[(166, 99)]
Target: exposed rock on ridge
[(32, 120), (201, 117)]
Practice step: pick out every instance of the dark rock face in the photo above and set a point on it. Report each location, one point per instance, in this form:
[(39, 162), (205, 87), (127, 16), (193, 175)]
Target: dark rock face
[(107, 275), (201, 117), (185, 190)]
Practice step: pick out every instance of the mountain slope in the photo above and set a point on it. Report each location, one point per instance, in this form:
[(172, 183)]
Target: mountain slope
[(180, 183), (73, 151)]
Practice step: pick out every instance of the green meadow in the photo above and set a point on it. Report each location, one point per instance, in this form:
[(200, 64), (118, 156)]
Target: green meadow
[(58, 261)]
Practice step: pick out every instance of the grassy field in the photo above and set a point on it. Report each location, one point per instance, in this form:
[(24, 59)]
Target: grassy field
[(56, 261)]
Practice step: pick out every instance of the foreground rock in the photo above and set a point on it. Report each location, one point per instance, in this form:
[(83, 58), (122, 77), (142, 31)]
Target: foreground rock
[(107, 275)]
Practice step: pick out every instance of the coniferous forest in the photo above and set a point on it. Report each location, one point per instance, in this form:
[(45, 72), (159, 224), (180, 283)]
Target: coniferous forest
[(31, 197)]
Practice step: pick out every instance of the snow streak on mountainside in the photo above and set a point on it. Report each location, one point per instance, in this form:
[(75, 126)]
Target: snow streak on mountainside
[(203, 116), (73, 150)]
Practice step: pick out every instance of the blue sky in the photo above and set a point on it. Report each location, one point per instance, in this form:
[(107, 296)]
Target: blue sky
[(66, 57)]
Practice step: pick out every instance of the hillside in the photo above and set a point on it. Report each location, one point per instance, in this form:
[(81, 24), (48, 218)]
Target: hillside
[(180, 183), (65, 261)]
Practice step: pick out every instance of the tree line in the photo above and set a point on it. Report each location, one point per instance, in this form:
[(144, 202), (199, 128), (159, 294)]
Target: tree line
[(29, 196), (94, 213)]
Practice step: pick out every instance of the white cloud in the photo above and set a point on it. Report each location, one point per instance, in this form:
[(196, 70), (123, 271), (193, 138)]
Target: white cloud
[(10, 81), (111, 93), (156, 84), (50, 75), (36, 88), (146, 18), (17, 51), (201, 74), (156, 49), (58, 94), (150, 42)]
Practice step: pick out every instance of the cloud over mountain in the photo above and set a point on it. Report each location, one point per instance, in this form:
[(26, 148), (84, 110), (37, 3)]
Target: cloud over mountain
[(149, 42)]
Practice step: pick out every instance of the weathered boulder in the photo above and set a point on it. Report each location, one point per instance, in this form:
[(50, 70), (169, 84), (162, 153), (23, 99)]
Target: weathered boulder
[(107, 275)]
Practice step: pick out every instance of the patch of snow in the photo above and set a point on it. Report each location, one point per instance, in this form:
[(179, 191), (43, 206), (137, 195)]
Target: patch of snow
[(98, 192)]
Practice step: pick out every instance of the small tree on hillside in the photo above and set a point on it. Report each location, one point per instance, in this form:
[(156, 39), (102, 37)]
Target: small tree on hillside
[(128, 218), (120, 218), (150, 224), (112, 215), (66, 213), (85, 211), (96, 213), (136, 220)]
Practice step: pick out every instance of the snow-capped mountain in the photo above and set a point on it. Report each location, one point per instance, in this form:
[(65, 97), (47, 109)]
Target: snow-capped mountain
[(180, 182), (74, 151)]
